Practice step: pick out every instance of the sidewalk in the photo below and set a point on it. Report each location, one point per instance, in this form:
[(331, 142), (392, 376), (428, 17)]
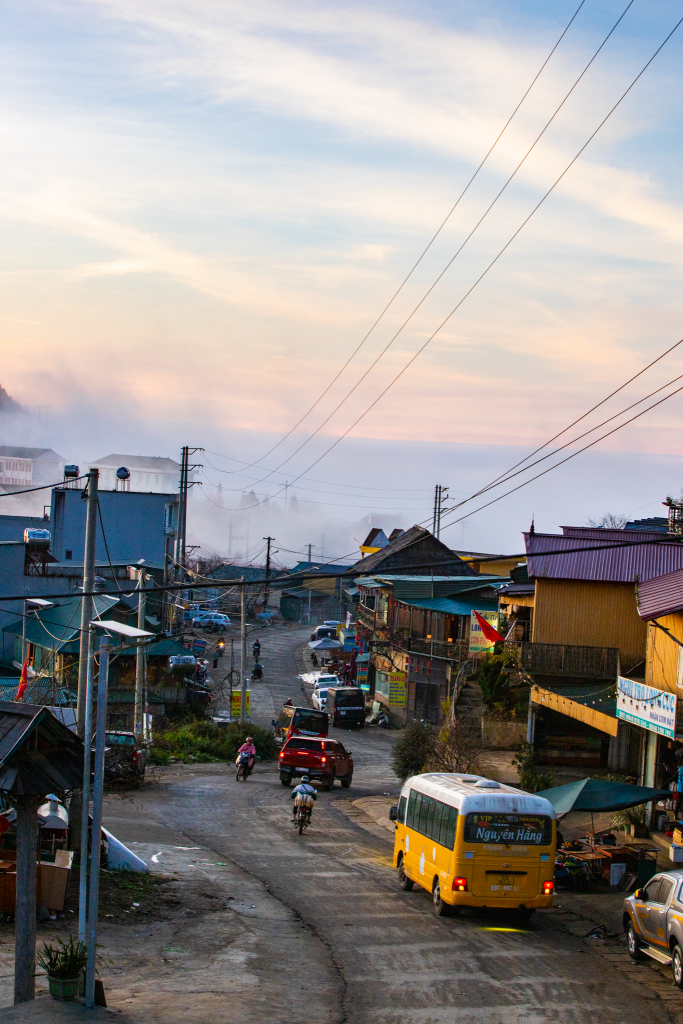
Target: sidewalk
[(47, 1010)]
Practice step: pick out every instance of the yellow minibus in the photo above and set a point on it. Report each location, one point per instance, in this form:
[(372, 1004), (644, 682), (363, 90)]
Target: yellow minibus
[(473, 842)]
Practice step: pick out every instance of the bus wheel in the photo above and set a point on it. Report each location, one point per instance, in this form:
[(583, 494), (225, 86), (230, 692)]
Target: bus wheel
[(403, 880), (441, 909)]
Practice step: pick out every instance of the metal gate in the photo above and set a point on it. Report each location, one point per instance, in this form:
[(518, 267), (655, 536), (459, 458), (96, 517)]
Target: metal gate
[(427, 701)]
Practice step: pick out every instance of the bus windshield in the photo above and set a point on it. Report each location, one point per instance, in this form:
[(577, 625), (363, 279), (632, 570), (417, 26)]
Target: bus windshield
[(509, 829)]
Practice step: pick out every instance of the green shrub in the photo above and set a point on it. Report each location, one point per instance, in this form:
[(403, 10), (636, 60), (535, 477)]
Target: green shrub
[(531, 777), (64, 960), (204, 742), (413, 749)]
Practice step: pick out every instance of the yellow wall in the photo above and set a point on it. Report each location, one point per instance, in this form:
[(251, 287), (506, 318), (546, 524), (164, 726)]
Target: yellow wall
[(662, 653), (590, 614)]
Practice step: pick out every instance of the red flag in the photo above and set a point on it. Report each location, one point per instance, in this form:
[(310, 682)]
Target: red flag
[(23, 679), (487, 629)]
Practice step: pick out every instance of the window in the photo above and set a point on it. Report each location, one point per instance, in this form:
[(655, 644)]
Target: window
[(665, 891), (509, 829), (401, 809), (651, 891), (432, 818), (68, 555), (297, 743)]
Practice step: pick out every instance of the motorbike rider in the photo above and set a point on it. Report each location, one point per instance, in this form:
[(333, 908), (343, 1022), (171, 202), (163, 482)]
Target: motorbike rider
[(248, 748), (257, 671), (256, 649), (304, 789)]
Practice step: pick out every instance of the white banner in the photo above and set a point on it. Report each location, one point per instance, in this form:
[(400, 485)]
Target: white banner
[(644, 706)]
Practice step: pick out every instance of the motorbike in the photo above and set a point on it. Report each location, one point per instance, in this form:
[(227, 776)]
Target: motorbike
[(256, 672), (257, 650), (302, 812), (243, 767)]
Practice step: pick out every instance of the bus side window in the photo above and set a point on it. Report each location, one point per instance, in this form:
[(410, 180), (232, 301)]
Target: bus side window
[(401, 809), (429, 826), (424, 811), (413, 807), (450, 827), (436, 827)]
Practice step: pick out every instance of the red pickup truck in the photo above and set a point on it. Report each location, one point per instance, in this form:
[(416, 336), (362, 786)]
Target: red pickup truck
[(323, 760)]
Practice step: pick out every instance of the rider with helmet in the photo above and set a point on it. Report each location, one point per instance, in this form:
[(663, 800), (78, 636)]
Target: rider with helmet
[(306, 792)]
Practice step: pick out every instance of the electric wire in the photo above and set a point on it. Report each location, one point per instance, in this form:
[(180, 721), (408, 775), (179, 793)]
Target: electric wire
[(562, 461), (458, 251), (504, 478), (431, 241), (44, 487), (494, 260)]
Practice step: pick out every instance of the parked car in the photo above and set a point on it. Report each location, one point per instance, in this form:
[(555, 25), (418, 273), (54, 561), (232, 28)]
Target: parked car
[(320, 688), (323, 632), (653, 922), (323, 760), (124, 756), (211, 620), (345, 706)]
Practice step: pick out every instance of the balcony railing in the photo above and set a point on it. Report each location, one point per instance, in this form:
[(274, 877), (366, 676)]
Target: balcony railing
[(567, 660), (454, 651)]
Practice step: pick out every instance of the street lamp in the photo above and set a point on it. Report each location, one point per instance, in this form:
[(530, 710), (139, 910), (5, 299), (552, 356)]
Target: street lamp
[(127, 636)]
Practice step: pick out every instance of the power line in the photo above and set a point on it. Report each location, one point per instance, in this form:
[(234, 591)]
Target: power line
[(505, 477), (358, 571), (44, 487), (572, 456), (430, 243), (495, 259), (458, 251)]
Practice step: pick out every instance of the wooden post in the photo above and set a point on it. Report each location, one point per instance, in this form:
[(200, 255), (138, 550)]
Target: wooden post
[(25, 914)]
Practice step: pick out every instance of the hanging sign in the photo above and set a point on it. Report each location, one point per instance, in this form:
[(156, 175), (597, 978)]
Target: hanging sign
[(478, 642), (644, 706), (236, 704), (397, 689)]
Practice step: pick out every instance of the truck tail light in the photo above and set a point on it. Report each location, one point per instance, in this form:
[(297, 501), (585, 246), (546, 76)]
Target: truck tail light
[(282, 754), (136, 757), (548, 888), (460, 885), (323, 759)]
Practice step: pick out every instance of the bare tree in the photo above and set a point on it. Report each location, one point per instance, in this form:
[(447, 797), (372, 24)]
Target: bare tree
[(457, 748), (608, 521)]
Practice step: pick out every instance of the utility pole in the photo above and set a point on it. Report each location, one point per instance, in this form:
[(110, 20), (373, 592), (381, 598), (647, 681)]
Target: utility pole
[(243, 652), (95, 846), (267, 586), (309, 587), (85, 652), (183, 487), (440, 496), (140, 656)]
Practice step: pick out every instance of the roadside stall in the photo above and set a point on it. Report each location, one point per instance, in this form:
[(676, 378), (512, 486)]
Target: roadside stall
[(598, 857)]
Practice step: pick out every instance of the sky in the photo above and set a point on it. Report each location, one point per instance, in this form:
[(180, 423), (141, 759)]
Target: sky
[(205, 207)]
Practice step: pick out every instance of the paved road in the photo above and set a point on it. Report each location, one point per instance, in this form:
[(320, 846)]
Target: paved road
[(394, 960)]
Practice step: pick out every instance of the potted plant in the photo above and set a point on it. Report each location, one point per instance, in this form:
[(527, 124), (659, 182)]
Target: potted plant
[(63, 964)]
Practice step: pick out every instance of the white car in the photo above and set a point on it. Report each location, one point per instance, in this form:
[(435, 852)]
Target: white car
[(319, 695), (211, 620)]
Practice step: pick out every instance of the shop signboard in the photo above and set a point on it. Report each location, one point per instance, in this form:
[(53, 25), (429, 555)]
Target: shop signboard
[(397, 689), (236, 704), (362, 678), (478, 642), (644, 706)]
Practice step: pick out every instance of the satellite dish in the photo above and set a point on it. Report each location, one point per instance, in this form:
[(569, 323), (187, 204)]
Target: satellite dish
[(122, 473)]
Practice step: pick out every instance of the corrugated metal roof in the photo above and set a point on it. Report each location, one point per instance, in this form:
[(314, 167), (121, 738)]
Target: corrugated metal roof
[(661, 595), (450, 607), (55, 628), (616, 565)]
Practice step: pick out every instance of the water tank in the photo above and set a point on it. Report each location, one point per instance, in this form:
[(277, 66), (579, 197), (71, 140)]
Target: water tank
[(122, 473), (181, 663), (38, 540), (70, 472)]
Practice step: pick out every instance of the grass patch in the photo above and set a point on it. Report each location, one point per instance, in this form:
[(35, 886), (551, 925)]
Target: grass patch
[(204, 742), (121, 890)]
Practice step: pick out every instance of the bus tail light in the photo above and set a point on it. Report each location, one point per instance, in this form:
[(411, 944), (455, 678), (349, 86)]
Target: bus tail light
[(548, 888), (460, 885)]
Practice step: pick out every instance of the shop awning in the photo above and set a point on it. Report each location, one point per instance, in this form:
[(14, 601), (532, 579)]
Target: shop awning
[(599, 795), (451, 606), (596, 707)]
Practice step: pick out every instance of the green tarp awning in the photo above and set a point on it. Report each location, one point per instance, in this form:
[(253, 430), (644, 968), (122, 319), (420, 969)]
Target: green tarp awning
[(600, 795)]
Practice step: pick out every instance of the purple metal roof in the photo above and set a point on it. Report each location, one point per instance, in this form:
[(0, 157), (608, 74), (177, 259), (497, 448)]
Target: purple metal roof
[(615, 565), (661, 595)]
